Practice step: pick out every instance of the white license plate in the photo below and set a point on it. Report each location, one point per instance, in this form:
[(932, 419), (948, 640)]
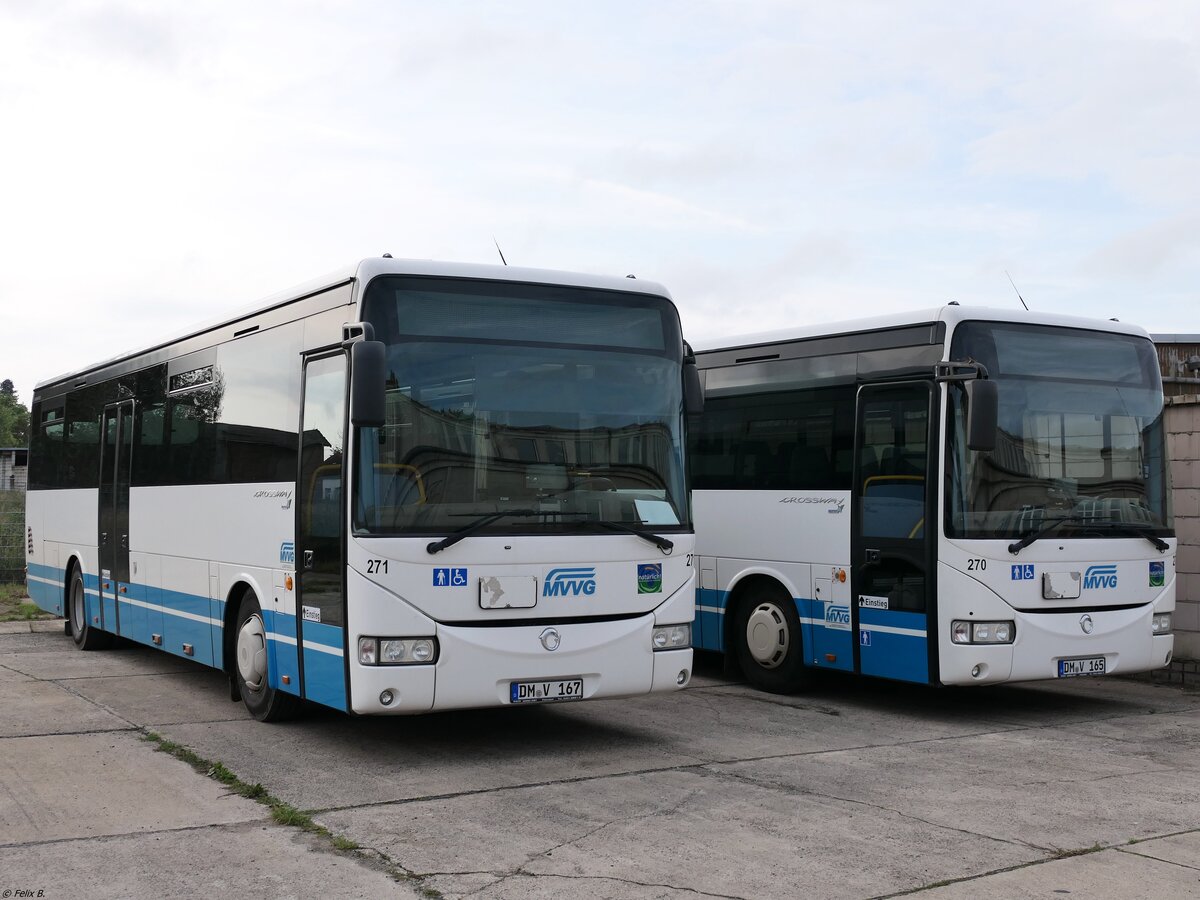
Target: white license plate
[(1087, 665), (546, 691)]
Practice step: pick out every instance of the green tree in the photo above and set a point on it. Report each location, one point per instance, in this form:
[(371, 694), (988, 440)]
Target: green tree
[(14, 417)]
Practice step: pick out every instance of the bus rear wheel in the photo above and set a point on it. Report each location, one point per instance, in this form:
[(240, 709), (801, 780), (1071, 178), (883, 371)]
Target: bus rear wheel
[(768, 642), (85, 636), (251, 667)]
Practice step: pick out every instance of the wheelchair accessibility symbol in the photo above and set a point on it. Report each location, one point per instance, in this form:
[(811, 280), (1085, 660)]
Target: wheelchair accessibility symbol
[(449, 577)]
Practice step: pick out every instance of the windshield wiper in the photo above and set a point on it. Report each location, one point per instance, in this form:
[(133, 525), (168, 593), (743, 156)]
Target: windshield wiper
[(646, 535), (483, 521), (1159, 544), (1089, 523), (1030, 536), (1138, 531)]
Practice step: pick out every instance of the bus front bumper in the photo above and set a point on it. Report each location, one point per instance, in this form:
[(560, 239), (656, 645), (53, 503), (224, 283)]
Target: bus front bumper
[(1117, 642), (479, 666)]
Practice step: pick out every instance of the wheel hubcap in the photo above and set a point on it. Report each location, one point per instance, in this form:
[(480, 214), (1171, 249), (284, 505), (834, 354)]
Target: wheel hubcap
[(767, 636), (77, 611), (252, 653)]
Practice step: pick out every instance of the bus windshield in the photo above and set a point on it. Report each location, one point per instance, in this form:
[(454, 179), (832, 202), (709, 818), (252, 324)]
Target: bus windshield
[(561, 405), (1080, 439)]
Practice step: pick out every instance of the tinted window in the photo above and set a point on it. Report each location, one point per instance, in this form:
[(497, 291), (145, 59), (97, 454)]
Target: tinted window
[(506, 312), (225, 422), (800, 440), (256, 388)]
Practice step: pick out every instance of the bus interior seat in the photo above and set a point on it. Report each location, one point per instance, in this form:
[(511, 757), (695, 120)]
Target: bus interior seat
[(897, 461)]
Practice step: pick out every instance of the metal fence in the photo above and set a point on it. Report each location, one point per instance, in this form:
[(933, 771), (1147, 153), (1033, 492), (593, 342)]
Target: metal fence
[(12, 537)]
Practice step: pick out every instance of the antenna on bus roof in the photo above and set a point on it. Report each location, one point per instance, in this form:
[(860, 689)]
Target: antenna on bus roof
[(498, 250), (1014, 284)]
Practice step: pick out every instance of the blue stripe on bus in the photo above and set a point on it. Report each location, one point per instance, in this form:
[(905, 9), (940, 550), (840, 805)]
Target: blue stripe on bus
[(282, 655), (829, 648), (902, 656), (894, 643), (135, 617), (708, 631), (48, 597), (280, 623), (325, 635), (324, 672), (168, 615)]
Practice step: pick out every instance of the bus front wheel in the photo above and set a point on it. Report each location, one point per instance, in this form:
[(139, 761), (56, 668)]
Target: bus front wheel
[(85, 636), (264, 702), (768, 642)]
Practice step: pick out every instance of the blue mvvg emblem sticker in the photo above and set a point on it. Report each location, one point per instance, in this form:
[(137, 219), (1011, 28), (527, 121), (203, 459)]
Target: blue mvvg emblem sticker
[(1100, 577), (287, 553), (570, 582), (837, 617)]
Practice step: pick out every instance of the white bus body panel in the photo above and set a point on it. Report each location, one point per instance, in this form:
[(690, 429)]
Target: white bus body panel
[(1121, 578), (611, 589), (799, 539), (74, 514), (787, 525), (477, 662)]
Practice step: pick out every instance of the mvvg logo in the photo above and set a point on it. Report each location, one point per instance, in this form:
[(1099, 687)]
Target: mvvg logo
[(837, 617), (570, 582), (287, 553), (1097, 577)]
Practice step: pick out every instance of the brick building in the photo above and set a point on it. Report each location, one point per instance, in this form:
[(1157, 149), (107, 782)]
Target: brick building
[(1179, 358)]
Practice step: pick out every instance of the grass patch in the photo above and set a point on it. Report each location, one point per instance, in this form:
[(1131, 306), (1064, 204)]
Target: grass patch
[(1082, 851), (15, 605), (282, 813)]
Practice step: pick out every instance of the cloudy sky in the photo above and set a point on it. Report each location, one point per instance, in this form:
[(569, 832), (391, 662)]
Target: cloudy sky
[(772, 163)]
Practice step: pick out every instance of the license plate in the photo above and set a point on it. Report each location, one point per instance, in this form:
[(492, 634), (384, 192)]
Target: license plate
[(546, 691), (1087, 665)]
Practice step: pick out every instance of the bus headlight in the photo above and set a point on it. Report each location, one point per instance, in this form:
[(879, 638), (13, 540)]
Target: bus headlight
[(966, 632), (1160, 623), (671, 637), (392, 651)]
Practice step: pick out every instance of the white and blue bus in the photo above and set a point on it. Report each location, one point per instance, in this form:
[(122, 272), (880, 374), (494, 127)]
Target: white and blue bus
[(956, 496), (410, 486)]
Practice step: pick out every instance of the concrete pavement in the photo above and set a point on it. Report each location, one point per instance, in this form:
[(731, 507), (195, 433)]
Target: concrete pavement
[(853, 789)]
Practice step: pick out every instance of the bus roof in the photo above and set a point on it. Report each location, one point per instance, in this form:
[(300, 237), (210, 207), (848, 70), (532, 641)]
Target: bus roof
[(363, 272), (951, 314)]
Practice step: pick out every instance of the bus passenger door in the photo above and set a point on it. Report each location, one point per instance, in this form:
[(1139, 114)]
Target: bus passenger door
[(320, 531), (891, 548), (113, 537)]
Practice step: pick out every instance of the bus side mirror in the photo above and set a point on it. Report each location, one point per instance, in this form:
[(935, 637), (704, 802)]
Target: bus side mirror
[(368, 374), (982, 413), (693, 390)]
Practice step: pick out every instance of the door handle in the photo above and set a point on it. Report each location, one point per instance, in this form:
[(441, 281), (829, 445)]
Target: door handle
[(872, 556), (308, 559), (104, 539), (124, 542)]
